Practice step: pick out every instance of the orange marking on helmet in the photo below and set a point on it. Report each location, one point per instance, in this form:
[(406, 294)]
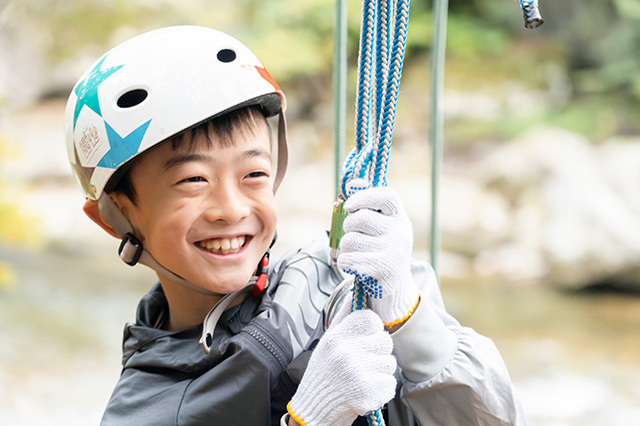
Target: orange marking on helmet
[(265, 74)]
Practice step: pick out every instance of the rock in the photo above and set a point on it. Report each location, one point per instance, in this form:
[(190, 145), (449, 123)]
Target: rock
[(574, 209)]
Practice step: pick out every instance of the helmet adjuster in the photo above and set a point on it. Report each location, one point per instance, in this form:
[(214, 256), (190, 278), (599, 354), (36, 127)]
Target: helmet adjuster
[(130, 249)]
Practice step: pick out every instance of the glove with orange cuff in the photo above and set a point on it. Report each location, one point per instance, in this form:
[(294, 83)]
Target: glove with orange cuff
[(350, 373), (376, 248)]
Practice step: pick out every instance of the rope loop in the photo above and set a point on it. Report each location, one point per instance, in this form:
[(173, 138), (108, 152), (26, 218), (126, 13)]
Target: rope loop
[(383, 37)]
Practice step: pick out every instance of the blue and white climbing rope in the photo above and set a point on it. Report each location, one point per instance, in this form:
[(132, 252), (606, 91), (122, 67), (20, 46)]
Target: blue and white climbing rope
[(383, 37)]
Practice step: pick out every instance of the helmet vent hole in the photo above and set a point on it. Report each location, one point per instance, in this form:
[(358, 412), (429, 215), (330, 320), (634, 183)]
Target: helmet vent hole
[(132, 98), (226, 55)]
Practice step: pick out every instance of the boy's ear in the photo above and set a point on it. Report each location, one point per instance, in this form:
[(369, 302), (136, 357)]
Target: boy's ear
[(92, 210)]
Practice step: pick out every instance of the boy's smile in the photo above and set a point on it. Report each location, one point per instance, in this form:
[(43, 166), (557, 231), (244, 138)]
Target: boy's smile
[(223, 245), (206, 212)]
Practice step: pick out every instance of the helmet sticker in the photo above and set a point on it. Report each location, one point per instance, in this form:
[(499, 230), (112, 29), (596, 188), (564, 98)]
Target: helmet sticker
[(89, 142), (87, 90), (122, 148)]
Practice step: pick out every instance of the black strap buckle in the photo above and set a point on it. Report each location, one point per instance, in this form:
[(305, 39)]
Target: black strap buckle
[(130, 249)]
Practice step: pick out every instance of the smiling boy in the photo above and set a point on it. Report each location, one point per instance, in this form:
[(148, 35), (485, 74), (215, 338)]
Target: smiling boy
[(205, 208), (168, 136)]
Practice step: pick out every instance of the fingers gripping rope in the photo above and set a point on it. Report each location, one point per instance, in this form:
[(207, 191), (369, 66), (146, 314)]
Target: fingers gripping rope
[(368, 286)]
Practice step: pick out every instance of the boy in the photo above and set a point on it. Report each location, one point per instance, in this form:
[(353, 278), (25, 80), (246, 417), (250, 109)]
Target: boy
[(168, 137)]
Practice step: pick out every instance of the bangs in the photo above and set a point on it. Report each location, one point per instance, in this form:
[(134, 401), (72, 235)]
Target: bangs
[(224, 130)]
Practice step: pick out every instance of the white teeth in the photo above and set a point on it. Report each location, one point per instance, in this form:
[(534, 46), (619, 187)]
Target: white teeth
[(223, 245)]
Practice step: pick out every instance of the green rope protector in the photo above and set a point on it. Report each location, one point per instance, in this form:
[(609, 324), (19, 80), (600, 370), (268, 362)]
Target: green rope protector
[(337, 232)]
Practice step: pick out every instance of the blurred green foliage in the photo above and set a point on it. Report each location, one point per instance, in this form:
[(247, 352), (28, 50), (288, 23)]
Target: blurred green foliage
[(15, 228), (595, 44)]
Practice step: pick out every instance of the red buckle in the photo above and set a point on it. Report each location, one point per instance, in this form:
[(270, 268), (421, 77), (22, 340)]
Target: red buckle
[(257, 289)]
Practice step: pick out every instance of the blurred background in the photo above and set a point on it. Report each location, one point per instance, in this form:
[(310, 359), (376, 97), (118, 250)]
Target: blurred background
[(539, 206)]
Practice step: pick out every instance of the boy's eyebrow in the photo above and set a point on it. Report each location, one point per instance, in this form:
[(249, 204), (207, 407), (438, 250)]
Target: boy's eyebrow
[(191, 157), (184, 158), (256, 152)]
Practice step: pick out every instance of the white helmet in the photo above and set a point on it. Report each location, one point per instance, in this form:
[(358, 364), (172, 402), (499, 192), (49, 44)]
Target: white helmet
[(148, 89), (154, 86)]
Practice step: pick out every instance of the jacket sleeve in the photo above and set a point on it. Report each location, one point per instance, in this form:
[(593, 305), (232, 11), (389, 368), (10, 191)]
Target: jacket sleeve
[(450, 374)]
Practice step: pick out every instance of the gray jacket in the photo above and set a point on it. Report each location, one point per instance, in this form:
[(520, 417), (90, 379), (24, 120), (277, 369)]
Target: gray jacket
[(448, 375)]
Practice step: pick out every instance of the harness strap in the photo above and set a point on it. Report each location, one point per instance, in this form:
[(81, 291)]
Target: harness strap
[(211, 320)]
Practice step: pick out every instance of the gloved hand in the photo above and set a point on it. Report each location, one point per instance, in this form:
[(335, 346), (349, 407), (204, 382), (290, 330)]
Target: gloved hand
[(350, 373), (376, 248)]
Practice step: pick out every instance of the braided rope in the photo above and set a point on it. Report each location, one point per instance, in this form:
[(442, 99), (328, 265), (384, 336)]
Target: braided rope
[(360, 298), (532, 17), (375, 117), (391, 95), (382, 58), (365, 63), (363, 94), (375, 418)]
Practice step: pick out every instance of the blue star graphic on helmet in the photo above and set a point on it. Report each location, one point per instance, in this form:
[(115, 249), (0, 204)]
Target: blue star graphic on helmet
[(122, 148), (87, 90)]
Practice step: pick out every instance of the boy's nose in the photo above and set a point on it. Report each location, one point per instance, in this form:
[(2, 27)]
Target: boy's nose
[(228, 205)]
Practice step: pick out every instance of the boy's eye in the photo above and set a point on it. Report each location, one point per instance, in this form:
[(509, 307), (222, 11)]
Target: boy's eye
[(256, 174), (193, 179)]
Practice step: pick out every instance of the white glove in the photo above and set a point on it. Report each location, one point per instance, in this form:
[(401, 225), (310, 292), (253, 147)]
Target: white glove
[(376, 248), (350, 373)]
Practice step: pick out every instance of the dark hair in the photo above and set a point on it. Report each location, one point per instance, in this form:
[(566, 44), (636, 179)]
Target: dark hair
[(224, 130)]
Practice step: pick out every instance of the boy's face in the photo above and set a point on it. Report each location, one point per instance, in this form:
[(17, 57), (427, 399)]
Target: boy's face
[(207, 213)]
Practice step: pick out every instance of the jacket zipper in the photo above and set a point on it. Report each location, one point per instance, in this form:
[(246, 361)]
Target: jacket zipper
[(274, 349)]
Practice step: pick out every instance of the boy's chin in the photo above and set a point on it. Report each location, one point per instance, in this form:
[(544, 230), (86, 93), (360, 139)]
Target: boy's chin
[(228, 286)]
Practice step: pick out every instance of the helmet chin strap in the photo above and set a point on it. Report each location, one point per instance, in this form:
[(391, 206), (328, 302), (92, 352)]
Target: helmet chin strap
[(283, 153), (132, 251)]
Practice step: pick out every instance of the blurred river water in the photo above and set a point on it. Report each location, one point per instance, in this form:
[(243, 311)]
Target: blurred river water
[(574, 356)]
